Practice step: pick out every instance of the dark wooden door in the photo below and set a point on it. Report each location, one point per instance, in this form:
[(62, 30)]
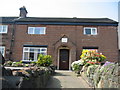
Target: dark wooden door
[(64, 59)]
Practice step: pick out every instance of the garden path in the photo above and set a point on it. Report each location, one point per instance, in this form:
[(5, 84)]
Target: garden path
[(66, 79)]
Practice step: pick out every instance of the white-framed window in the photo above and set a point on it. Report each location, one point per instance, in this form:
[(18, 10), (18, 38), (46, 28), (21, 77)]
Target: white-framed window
[(90, 31), (2, 50), (3, 28), (31, 53), (36, 30)]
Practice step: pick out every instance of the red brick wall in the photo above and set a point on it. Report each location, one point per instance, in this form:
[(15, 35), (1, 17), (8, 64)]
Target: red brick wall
[(106, 40), (6, 41)]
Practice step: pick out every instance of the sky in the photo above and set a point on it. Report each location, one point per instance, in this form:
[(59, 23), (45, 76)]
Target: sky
[(62, 8)]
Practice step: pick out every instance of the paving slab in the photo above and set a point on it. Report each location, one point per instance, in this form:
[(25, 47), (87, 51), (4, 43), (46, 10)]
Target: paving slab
[(66, 79)]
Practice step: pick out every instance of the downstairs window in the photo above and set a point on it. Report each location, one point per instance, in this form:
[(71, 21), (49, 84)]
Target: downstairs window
[(32, 53)]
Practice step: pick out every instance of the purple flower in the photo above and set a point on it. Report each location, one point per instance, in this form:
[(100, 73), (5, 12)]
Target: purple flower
[(107, 63)]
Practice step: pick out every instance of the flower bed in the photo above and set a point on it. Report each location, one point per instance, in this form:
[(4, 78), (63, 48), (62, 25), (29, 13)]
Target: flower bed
[(96, 74), (105, 76), (88, 58), (43, 60)]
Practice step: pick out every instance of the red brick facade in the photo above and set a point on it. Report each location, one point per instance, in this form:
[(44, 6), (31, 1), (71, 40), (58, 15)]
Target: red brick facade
[(106, 40)]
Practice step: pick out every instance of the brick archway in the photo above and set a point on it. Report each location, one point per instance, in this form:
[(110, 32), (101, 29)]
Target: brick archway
[(72, 52)]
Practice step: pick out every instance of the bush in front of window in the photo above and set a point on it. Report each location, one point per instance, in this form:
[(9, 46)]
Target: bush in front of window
[(91, 57), (44, 60)]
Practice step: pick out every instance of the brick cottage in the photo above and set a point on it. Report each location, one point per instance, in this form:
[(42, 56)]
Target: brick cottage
[(23, 38)]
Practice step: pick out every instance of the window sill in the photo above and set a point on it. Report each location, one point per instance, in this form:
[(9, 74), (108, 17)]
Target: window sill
[(90, 35), (36, 34), (29, 60), (4, 33)]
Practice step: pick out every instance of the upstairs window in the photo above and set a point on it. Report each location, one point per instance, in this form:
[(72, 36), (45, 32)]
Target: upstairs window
[(2, 50), (90, 31), (36, 30), (3, 28)]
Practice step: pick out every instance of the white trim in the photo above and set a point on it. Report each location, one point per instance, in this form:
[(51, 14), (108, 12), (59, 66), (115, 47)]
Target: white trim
[(69, 59), (91, 28), (58, 58)]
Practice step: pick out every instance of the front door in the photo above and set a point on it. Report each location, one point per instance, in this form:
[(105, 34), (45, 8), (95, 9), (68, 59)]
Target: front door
[(64, 59)]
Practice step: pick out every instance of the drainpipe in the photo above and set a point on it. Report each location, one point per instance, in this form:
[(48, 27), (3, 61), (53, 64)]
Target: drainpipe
[(12, 40)]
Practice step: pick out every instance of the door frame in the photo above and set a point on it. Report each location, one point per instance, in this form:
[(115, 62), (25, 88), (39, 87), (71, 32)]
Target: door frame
[(59, 57)]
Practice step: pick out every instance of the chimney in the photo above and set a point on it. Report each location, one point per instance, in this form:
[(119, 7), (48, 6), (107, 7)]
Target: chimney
[(23, 12)]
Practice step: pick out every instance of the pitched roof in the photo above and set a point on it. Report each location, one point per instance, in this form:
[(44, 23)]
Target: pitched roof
[(40, 19), (58, 20), (7, 19)]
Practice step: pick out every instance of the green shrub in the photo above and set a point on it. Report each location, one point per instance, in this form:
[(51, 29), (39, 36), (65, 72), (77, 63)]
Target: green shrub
[(8, 63), (44, 60), (77, 65), (17, 64)]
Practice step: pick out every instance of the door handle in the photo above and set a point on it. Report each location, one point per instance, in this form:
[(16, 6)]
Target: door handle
[(64, 61)]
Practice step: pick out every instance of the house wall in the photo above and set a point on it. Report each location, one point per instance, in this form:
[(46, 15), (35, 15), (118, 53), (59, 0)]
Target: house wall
[(6, 41), (106, 40), (119, 25)]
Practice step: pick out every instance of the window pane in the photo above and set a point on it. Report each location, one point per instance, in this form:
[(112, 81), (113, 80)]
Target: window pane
[(43, 49), (94, 31), (30, 30), (26, 56), (26, 49), (4, 28), (31, 50), (87, 31), (31, 56), (37, 30), (42, 30), (38, 50), (0, 29), (35, 56), (44, 53), (2, 50)]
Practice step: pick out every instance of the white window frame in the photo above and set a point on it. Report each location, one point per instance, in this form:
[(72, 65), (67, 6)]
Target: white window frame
[(34, 52), (91, 28), (33, 32), (3, 47), (2, 28)]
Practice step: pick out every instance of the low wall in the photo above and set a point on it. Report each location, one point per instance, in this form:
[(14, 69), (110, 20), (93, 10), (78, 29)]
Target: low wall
[(36, 77), (106, 76)]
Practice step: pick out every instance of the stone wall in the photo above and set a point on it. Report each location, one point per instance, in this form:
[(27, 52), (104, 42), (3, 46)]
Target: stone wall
[(106, 76), (36, 77)]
